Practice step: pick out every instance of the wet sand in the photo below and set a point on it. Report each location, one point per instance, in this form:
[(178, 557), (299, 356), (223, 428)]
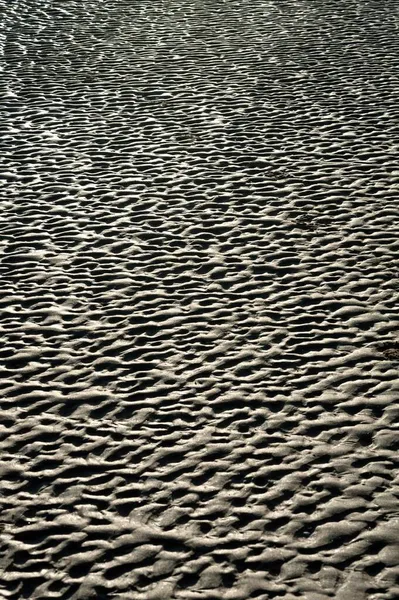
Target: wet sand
[(199, 279)]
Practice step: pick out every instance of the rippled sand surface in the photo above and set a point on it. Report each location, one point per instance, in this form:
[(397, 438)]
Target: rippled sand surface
[(199, 300)]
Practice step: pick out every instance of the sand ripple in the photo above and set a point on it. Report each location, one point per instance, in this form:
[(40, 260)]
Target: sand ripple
[(199, 310)]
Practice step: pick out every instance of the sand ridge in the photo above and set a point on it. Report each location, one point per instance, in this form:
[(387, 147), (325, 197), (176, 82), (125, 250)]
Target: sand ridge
[(199, 308)]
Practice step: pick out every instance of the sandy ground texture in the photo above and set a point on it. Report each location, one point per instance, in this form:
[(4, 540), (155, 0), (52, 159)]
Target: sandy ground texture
[(199, 300)]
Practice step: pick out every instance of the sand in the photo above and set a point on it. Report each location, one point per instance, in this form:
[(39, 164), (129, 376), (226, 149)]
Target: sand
[(199, 300)]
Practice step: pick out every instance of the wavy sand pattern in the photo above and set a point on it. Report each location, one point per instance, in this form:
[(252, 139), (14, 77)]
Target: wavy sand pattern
[(199, 300)]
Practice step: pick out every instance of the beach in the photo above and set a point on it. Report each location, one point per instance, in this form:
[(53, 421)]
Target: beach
[(199, 277)]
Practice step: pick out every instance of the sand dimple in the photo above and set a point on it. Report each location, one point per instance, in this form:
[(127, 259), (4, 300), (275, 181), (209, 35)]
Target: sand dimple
[(199, 323)]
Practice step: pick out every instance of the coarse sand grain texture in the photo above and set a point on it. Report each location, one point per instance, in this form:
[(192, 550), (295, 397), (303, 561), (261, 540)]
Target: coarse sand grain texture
[(199, 285)]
